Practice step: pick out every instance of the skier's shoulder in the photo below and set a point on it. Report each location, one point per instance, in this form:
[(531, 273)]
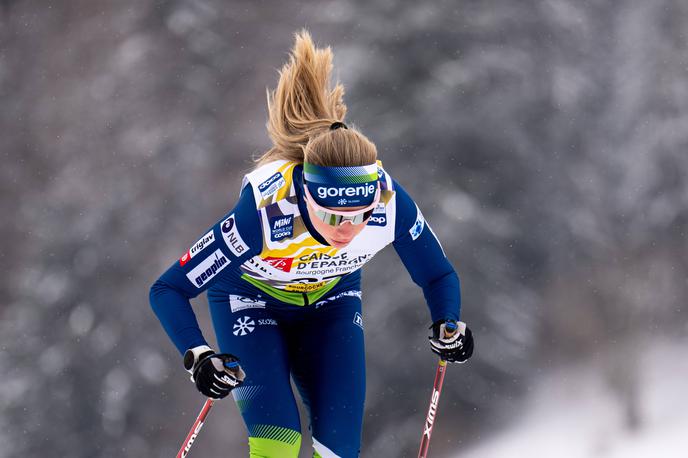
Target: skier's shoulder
[(271, 182)]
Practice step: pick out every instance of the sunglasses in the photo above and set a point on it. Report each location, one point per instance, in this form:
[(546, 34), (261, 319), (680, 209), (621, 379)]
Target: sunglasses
[(337, 217)]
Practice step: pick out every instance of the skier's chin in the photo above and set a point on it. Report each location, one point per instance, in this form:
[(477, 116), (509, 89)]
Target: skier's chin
[(340, 243)]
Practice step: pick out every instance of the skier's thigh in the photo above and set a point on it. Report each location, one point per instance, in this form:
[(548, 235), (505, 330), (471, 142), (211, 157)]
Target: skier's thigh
[(330, 374), (265, 399)]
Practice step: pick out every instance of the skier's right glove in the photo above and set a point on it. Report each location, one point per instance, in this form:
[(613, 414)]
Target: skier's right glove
[(215, 375)]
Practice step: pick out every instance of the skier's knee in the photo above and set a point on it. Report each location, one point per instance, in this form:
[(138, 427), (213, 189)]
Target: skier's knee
[(274, 442)]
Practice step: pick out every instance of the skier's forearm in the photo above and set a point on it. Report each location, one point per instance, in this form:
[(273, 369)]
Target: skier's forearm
[(174, 311), (443, 297), (423, 257)]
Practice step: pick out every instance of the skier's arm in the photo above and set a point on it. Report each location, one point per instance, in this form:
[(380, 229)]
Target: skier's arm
[(221, 250), (423, 257)]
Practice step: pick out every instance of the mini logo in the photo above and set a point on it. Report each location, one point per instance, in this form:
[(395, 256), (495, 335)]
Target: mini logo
[(358, 320), (207, 269), (244, 326), (238, 303), (342, 201), (281, 227), (232, 237), (283, 264), (197, 247), (418, 226), (271, 185)]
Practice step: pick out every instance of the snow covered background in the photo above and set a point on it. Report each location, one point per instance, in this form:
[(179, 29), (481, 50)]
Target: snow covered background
[(573, 413), (546, 142)]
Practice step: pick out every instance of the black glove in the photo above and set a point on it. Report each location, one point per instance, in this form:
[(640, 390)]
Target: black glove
[(452, 341), (215, 375)]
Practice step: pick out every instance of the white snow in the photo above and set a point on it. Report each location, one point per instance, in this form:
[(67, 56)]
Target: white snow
[(573, 413)]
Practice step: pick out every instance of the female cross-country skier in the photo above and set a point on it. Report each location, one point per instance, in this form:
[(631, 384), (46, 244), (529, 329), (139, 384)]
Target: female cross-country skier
[(283, 273)]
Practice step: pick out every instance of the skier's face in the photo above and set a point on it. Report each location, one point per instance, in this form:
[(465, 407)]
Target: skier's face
[(337, 236)]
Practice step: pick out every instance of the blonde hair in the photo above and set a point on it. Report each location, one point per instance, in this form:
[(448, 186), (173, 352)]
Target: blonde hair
[(303, 107)]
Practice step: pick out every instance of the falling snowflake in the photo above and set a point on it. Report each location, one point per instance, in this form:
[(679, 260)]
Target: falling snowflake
[(244, 326)]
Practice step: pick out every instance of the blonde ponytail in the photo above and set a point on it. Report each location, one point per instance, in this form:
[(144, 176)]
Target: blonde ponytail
[(303, 107)]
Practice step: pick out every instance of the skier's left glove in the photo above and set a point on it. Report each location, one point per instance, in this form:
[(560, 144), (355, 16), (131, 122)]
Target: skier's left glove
[(452, 341)]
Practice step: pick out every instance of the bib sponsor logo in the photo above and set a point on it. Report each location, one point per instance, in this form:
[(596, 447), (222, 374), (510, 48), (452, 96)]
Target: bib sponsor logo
[(334, 264), (345, 191), (267, 322), (207, 269), (379, 216), (271, 185), (281, 227), (283, 264), (358, 320), (232, 238), (238, 303), (197, 247), (304, 287), (418, 226), (377, 220)]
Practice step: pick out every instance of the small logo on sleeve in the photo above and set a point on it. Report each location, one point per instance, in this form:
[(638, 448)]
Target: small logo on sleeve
[(197, 247), (207, 269), (418, 226), (281, 227), (232, 237)]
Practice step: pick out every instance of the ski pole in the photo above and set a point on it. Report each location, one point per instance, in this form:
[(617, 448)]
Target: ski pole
[(432, 410), (195, 429)]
